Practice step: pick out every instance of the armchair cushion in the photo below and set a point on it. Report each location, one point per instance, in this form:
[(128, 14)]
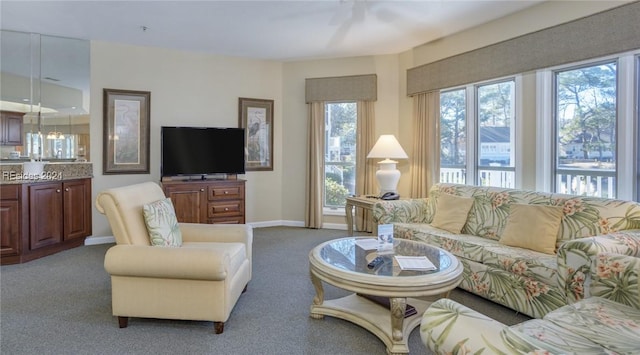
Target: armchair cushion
[(162, 223), (194, 261)]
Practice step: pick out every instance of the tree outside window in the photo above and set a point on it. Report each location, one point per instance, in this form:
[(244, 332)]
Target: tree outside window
[(586, 106)]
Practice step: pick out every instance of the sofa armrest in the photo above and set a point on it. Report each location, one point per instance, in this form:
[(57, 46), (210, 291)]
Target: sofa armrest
[(167, 263), (615, 277), (402, 211), (575, 258), (448, 327)]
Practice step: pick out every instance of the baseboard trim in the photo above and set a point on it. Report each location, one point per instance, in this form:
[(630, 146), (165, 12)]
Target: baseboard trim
[(99, 240), (93, 240)]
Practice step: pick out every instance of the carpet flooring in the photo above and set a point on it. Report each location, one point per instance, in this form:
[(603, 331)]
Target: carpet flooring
[(61, 304)]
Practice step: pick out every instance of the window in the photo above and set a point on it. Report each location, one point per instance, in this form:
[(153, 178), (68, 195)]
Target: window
[(588, 110), (487, 134), (585, 130), (340, 153)]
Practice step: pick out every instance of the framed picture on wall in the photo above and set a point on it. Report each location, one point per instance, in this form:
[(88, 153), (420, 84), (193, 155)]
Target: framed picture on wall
[(256, 117), (126, 131)]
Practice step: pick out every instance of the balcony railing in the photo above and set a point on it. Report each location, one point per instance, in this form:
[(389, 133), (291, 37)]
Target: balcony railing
[(585, 182), (488, 176)]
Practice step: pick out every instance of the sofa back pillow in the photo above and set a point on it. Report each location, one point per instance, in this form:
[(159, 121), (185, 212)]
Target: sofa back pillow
[(533, 227), (451, 212)]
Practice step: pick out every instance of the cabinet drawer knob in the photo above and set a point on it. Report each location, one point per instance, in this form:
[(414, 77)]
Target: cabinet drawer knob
[(202, 190), (226, 192), (67, 189), (57, 190), (226, 208)]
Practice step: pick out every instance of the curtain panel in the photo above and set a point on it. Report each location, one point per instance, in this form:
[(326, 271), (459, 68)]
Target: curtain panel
[(613, 31), (366, 168), (315, 166), (425, 157)]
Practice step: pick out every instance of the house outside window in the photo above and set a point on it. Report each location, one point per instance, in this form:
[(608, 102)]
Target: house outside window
[(477, 134), (340, 153)]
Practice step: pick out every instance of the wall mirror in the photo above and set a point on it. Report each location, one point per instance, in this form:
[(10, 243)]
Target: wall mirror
[(45, 87)]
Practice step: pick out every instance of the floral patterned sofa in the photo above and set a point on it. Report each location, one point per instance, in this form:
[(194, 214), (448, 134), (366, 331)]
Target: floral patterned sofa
[(608, 322), (528, 281)]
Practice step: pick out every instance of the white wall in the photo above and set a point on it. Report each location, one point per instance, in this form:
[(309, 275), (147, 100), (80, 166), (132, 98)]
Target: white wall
[(295, 117), (199, 89), (186, 89)]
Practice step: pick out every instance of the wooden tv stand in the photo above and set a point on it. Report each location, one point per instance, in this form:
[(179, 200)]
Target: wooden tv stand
[(207, 201)]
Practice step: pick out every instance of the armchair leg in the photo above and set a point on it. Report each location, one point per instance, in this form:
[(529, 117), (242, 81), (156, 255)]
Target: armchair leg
[(219, 327), (245, 288), (123, 322)]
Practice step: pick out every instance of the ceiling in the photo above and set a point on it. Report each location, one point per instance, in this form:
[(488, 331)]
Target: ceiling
[(271, 30)]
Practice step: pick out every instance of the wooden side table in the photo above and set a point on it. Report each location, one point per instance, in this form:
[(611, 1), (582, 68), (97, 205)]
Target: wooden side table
[(363, 202)]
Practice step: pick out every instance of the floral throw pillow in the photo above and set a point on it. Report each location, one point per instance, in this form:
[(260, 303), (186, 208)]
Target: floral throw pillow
[(162, 223)]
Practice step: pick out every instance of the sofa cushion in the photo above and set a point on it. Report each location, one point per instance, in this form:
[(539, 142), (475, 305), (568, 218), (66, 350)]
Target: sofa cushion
[(162, 223), (461, 245), (614, 326), (532, 227), (548, 336), (524, 262), (451, 212)]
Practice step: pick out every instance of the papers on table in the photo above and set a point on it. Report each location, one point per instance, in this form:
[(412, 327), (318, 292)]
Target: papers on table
[(420, 263), (367, 243)]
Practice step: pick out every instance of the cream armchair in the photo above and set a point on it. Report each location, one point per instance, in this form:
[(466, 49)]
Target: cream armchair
[(201, 280)]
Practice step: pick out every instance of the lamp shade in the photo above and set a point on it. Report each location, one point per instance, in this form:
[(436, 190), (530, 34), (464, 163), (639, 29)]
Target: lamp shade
[(387, 147)]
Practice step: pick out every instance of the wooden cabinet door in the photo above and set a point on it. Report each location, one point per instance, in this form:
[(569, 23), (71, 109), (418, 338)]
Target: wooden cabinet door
[(9, 227), (189, 201), (11, 128), (45, 215), (77, 208)]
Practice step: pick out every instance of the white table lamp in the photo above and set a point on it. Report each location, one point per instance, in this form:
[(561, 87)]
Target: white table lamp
[(387, 148)]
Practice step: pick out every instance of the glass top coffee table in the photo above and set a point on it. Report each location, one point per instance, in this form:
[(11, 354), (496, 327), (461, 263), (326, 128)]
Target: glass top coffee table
[(383, 300)]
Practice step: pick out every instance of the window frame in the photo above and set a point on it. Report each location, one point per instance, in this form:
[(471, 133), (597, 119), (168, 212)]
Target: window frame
[(472, 166), (335, 210), (626, 130)]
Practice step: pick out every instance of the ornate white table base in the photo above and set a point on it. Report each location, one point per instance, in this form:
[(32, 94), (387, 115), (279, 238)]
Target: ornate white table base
[(389, 326), (339, 266)]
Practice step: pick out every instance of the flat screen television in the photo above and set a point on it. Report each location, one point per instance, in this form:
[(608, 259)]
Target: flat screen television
[(202, 151)]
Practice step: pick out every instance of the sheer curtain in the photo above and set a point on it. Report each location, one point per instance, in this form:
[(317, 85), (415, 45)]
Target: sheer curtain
[(365, 168), (315, 166), (425, 167)]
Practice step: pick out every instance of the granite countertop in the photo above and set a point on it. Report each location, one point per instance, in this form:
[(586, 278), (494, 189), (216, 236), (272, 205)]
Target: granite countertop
[(12, 173)]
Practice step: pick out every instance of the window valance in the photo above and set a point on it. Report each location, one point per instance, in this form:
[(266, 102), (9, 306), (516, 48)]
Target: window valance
[(342, 88), (613, 31)]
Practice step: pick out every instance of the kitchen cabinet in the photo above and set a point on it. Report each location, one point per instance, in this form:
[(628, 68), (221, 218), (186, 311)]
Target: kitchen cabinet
[(11, 128), (10, 221), (207, 201), (52, 216)]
